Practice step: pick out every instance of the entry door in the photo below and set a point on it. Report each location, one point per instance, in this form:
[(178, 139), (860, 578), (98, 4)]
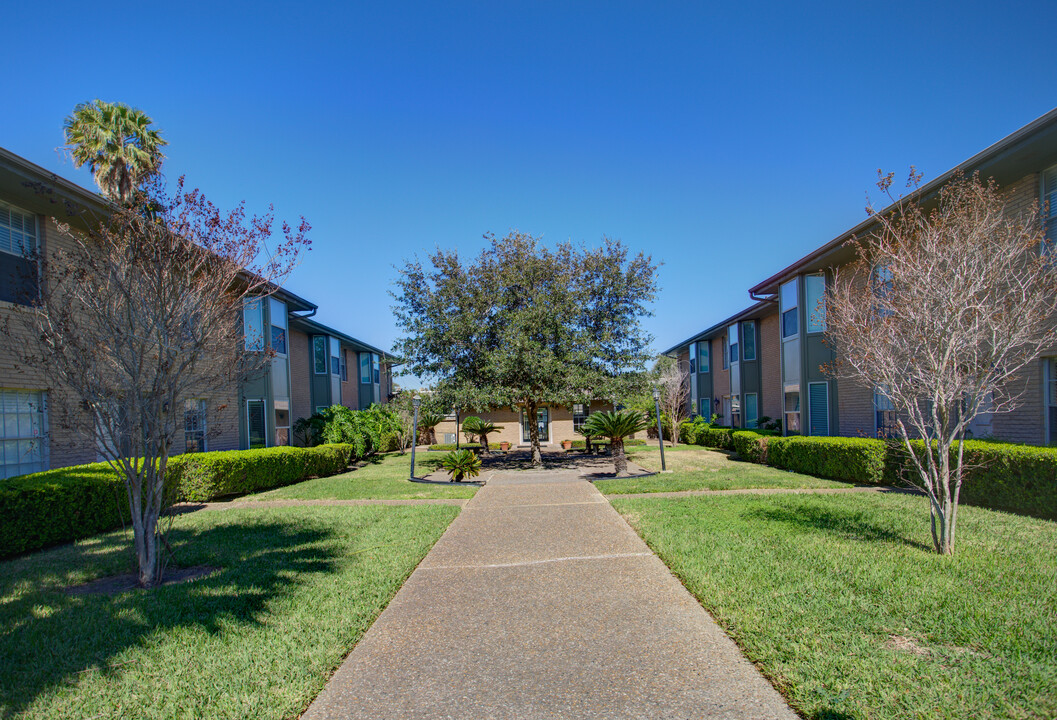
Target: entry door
[(542, 420)]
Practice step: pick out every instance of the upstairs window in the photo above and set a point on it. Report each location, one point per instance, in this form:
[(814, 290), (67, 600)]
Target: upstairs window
[(376, 368), (702, 357), (365, 368), (748, 332), (1049, 206), (789, 299), (18, 231), (732, 342), (692, 351), (319, 354), (335, 357), (344, 367), (815, 292), (277, 311), (253, 323)]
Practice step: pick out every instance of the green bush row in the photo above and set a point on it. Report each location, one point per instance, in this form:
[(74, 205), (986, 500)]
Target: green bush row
[(1001, 476), (67, 504)]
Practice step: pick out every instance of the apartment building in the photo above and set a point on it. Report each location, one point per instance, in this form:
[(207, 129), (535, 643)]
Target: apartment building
[(308, 367), (810, 401), (555, 423)]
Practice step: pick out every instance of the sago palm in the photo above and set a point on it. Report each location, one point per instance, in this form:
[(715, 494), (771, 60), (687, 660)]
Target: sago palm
[(480, 428), (616, 426), (117, 144)]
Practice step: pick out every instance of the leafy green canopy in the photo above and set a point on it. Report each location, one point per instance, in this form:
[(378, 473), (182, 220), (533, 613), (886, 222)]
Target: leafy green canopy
[(525, 323)]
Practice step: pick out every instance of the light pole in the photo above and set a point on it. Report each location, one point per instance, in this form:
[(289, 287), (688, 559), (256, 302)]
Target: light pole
[(660, 428), (416, 401)]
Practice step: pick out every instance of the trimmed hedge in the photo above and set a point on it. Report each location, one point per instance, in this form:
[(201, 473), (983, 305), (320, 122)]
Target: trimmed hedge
[(67, 504), (850, 459), (57, 506), (750, 445)]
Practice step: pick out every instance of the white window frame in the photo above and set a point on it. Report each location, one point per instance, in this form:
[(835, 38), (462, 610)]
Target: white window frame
[(9, 247), (200, 408), (29, 434), (580, 417)]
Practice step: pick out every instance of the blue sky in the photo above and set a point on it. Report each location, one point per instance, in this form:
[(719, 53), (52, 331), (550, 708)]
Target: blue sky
[(726, 141)]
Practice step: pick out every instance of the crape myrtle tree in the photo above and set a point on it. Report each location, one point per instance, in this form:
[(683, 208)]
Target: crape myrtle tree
[(526, 324), (673, 380), (141, 310), (941, 312)]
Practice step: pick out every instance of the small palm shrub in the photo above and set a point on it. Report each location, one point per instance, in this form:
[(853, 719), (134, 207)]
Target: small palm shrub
[(427, 424), (461, 464), (616, 426), (476, 427)]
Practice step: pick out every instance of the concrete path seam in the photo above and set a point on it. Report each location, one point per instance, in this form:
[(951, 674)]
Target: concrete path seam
[(539, 562), (535, 505), (763, 491)]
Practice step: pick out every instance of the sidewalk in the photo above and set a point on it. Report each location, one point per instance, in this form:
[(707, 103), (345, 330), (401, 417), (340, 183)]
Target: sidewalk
[(540, 602)]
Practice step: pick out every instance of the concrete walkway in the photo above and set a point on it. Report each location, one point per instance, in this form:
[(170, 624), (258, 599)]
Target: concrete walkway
[(541, 602)]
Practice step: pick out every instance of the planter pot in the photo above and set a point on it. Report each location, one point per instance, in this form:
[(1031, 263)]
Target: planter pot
[(504, 446), (567, 444)]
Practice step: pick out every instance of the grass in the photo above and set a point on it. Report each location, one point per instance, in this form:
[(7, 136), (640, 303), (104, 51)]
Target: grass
[(297, 588), (383, 477), (842, 604), (698, 468)]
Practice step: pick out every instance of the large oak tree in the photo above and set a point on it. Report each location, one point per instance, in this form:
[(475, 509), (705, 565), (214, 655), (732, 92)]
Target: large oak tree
[(526, 324)]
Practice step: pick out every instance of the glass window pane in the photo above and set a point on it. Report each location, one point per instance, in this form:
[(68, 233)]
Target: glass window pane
[(789, 323), (365, 368), (277, 311), (279, 340), (788, 295), (319, 354), (815, 291), (702, 357), (751, 410), (253, 324), (749, 340)]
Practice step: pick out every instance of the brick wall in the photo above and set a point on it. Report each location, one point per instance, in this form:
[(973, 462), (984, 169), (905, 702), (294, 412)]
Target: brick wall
[(300, 379), (720, 378), (350, 388)]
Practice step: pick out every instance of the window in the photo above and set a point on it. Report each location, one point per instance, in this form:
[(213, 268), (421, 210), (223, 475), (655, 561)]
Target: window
[(705, 408), (253, 323), (365, 368), (726, 354), (580, 413), (195, 425), (277, 311), (18, 231), (788, 300), (881, 282), (752, 410), (692, 353), (335, 357), (256, 424), (23, 432), (818, 407), (792, 413), (748, 332), (702, 357), (319, 354), (885, 415), (815, 296), (376, 368), (1049, 205), (732, 342), (543, 420), (344, 367), (735, 410)]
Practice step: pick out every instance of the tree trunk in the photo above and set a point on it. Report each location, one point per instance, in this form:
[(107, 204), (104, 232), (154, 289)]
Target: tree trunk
[(620, 461), (484, 445), (532, 418)]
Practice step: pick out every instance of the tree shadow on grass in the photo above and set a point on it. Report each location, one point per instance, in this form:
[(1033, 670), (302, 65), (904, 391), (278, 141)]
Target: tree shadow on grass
[(49, 637), (848, 524)]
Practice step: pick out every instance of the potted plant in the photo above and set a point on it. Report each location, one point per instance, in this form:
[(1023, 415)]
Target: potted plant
[(504, 445), (461, 464), (567, 444)]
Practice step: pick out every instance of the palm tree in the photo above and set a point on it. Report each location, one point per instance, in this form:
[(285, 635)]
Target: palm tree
[(427, 423), (117, 144), (616, 426), (477, 427)]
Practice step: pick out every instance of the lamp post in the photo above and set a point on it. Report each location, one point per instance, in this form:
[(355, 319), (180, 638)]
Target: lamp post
[(416, 401), (660, 428)]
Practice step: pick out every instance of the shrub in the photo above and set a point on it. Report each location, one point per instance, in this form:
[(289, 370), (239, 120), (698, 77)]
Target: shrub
[(850, 459), (376, 429), (202, 477), (751, 446), (461, 464), (715, 437), (58, 506), (1001, 476)]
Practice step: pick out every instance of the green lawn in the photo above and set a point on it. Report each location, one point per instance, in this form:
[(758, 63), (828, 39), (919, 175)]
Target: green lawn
[(383, 477), (841, 603), (297, 587), (698, 468)]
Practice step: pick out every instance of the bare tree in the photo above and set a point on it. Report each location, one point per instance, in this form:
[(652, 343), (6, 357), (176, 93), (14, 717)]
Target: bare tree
[(940, 313), (139, 312), (674, 382)]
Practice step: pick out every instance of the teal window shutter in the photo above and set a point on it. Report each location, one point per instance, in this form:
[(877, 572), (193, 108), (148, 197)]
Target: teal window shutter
[(818, 407)]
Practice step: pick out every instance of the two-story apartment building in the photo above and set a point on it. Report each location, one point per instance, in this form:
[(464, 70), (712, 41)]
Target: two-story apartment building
[(810, 401), (308, 367)]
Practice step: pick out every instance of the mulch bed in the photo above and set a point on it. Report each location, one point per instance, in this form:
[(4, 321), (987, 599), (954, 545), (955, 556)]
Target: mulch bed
[(130, 581)]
